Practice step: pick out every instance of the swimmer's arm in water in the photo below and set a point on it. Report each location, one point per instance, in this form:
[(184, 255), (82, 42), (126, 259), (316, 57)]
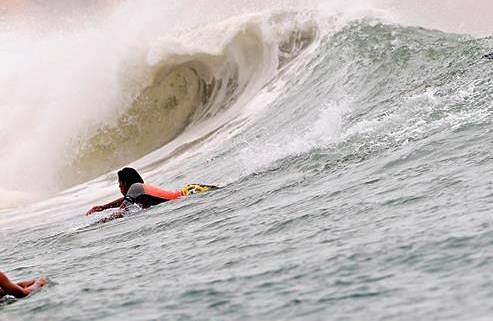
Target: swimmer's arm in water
[(21, 289), (99, 208), (31, 285), (26, 283), (117, 214)]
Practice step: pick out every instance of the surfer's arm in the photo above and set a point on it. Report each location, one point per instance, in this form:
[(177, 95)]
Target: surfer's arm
[(99, 208), (31, 285), (11, 288), (117, 214), (20, 289), (26, 283)]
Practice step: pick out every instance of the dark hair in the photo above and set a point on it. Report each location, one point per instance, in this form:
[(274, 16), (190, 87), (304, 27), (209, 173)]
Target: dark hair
[(129, 176)]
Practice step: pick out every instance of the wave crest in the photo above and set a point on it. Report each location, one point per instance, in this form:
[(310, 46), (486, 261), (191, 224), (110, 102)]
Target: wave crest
[(189, 80)]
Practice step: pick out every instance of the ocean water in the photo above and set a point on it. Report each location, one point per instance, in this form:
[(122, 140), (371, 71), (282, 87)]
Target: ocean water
[(353, 150)]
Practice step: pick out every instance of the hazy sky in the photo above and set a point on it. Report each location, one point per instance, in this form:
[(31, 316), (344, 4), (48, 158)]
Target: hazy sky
[(462, 16), (471, 16)]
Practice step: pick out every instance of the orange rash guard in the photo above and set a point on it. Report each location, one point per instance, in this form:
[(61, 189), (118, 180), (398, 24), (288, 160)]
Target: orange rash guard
[(147, 195)]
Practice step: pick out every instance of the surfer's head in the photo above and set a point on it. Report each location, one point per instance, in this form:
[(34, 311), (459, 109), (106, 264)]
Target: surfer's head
[(126, 177)]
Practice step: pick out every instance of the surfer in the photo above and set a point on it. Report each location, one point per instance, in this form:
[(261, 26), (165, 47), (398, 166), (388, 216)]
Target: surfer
[(20, 289), (488, 56), (135, 191)]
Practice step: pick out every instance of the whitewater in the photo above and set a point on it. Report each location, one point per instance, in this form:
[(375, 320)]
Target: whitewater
[(351, 141)]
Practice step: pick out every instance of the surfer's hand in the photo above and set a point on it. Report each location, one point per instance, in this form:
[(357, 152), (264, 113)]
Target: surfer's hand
[(115, 215), (26, 283), (40, 282), (97, 208)]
